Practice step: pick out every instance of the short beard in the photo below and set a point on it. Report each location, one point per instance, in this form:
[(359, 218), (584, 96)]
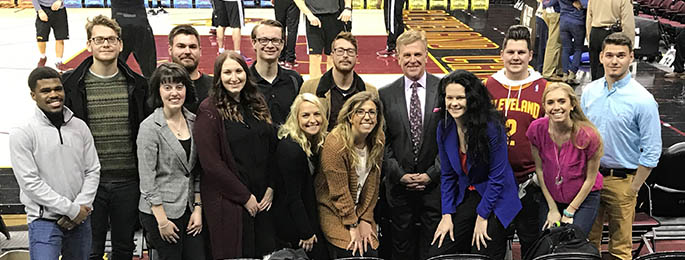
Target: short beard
[(190, 68)]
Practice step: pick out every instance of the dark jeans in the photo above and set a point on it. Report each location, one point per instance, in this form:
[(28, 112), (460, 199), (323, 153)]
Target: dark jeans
[(335, 252), (679, 53), (464, 221), (584, 216), (526, 222), (410, 241), (597, 36), (541, 32), (288, 14), (187, 247), (115, 207), (392, 11), (137, 36), (572, 41)]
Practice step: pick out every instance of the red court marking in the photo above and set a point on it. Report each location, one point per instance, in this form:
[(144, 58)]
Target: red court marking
[(672, 127), (367, 62)]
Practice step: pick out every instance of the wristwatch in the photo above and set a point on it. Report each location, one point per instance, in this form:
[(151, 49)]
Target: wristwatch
[(353, 225), (195, 204)]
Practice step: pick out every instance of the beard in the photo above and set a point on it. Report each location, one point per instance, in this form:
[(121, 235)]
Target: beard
[(189, 67)]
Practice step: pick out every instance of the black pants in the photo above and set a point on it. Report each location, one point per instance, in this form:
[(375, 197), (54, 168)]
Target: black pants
[(464, 221), (597, 36), (392, 11), (187, 247), (115, 206), (288, 14), (335, 252), (679, 53), (527, 221), (137, 36), (410, 241)]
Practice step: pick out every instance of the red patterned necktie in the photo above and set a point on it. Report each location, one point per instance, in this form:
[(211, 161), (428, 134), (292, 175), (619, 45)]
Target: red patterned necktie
[(415, 120)]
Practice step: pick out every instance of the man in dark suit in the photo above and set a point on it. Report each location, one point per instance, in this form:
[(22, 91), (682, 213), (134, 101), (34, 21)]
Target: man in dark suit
[(410, 166)]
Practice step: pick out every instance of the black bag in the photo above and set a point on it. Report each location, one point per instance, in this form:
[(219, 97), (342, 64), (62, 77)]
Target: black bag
[(563, 239)]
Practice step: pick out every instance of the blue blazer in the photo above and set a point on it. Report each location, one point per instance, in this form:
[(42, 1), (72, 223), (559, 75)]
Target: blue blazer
[(494, 182)]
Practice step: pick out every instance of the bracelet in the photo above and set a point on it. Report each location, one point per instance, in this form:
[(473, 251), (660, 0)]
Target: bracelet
[(348, 8), (574, 208), (195, 204), (165, 225), (568, 214), (353, 225)]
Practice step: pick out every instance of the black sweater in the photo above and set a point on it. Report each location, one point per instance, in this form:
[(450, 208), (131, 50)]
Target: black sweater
[(300, 220)]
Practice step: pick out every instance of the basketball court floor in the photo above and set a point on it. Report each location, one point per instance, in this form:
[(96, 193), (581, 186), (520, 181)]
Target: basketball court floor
[(457, 40)]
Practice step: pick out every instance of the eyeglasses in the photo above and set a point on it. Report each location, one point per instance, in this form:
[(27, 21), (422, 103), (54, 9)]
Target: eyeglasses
[(100, 40), (362, 113), (341, 51), (266, 41)]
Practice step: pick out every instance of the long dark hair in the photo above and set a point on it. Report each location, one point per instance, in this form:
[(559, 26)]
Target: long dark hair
[(249, 95), (479, 113)]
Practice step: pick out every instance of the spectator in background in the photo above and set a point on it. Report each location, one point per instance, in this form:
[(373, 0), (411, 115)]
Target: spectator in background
[(229, 14), (394, 25), (552, 62), (288, 14), (325, 20), (298, 154), (603, 18), (572, 27), (479, 192), (678, 70), (136, 33), (566, 147), (627, 117), (51, 14), (348, 186)]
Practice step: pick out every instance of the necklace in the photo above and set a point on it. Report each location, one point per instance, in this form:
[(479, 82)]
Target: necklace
[(175, 129), (557, 149)]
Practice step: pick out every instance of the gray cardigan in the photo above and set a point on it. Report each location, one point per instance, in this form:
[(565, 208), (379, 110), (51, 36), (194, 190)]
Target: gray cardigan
[(166, 175)]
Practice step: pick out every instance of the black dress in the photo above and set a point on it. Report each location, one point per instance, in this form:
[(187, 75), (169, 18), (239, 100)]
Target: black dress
[(296, 203), (253, 143)]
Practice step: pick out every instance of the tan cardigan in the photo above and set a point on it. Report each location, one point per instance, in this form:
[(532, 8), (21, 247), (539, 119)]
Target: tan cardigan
[(311, 85), (334, 187)]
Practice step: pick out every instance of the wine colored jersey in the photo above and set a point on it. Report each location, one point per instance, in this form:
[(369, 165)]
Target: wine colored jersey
[(521, 103)]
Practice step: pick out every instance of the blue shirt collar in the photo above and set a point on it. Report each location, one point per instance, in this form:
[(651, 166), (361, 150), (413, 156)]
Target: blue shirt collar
[(618, 84)]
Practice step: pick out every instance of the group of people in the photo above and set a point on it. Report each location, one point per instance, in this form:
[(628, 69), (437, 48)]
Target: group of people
[(255, 159), (564, 27)]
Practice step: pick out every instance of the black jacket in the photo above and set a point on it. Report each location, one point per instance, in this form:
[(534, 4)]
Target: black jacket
[(75, 94)]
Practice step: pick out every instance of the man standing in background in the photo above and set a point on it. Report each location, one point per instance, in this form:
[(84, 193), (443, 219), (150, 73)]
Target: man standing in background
[(136, 33), (603, 18), (288, 15), (51, 14), (394, 25)]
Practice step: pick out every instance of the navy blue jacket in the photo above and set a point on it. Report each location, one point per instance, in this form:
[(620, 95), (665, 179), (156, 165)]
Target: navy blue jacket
[(569, 13), (494, 182)]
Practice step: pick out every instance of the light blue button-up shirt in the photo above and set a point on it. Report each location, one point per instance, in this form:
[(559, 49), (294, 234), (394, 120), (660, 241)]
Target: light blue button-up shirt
[(627, 117)]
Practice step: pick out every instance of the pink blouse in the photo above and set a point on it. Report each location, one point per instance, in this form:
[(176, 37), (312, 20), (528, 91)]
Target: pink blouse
[(564, 171)]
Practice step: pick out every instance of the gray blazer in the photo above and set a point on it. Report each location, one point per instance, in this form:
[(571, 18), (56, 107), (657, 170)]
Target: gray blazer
[(166, 175)]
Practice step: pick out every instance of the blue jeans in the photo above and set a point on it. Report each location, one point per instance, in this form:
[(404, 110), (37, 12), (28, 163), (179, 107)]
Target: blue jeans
[(572, 39), (115, 207), (47, 240), (584, 216)]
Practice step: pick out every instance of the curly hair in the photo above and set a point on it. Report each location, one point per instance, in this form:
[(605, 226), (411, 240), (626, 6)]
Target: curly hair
[(479, 113), (250, 96)]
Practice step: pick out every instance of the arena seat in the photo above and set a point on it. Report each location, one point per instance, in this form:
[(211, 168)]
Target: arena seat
[(663, 255), (569, 256), (460, 257)]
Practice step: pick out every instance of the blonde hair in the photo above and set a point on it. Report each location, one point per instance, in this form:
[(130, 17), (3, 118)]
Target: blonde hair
[(578, 118), (409, 37), (375, 141), (291, 127), (104, 21)]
